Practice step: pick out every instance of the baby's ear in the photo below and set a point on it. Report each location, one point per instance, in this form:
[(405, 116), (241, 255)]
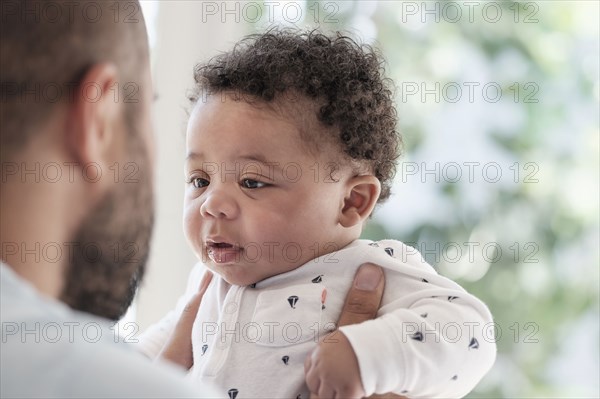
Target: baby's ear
[(362, 193)]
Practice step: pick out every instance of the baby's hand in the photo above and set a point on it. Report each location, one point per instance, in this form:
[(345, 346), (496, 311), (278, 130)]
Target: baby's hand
[(332, 370)]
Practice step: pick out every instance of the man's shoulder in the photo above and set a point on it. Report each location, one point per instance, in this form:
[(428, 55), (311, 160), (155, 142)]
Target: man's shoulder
[(50, 350), (76, 369)]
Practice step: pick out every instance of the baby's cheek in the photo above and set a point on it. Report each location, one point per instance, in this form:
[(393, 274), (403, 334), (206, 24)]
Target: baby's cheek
[(191, 227)]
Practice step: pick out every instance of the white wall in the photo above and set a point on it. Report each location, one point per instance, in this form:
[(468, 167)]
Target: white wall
[(181, 40)]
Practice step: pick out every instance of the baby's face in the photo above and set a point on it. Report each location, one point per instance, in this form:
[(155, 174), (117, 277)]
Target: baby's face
[(257, 202)]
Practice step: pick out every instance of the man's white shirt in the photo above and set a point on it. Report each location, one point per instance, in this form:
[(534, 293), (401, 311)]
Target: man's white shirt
[(49, 350)]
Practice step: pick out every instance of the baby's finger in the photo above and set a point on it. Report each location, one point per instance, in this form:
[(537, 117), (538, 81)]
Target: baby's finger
[(307, 363), (312, 380), (325, 391)]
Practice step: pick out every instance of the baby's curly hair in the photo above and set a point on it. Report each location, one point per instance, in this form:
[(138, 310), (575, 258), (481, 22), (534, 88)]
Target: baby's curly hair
[(344, 79)]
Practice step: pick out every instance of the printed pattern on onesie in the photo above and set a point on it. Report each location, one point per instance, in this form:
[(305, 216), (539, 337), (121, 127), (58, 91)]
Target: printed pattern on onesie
[(251, 342)]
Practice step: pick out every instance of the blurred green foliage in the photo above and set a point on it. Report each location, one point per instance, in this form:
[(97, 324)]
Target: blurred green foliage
[(528, 243)]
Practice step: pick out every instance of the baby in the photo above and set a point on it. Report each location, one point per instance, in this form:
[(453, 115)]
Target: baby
[(290, 146)]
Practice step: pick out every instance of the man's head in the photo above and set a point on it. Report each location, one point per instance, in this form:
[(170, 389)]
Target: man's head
[(76, 93), (288, 152)]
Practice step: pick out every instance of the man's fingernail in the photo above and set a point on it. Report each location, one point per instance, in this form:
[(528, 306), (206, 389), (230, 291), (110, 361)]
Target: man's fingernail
[(368, 277)]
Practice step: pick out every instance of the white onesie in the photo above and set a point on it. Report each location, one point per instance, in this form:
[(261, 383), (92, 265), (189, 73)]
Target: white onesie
[(430, 338)]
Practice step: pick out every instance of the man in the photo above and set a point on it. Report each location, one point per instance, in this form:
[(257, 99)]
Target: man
[(75, 109)]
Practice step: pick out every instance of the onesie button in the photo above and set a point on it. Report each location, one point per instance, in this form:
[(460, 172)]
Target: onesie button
[(231, 308)]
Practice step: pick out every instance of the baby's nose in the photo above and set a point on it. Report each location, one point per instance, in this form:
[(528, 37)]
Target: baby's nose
[(219, 204)]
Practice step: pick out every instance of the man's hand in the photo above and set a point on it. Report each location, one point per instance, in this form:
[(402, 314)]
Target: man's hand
[(178, 348), (332, 369)]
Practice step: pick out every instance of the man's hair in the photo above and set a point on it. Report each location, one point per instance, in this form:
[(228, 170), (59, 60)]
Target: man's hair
[(47, 47), (343, 78)]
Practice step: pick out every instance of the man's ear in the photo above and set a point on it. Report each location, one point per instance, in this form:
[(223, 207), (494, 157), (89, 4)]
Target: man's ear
[(94, 112), (362, 193)]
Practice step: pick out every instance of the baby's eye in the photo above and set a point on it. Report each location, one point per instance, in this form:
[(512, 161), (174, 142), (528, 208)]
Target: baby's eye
[(199, 182), (249, 183)]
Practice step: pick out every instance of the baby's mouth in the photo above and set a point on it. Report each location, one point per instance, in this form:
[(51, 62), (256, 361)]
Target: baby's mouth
[(223, 252)]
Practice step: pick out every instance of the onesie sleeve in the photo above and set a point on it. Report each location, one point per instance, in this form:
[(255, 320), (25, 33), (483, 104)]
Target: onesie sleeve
[(154, 338), (431, 339)]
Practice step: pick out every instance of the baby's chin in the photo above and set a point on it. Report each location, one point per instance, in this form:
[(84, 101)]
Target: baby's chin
[(238, 275), (242, 282), (235, 277)]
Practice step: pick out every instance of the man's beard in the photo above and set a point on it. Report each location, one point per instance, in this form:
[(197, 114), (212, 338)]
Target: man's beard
[(110, 249)]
